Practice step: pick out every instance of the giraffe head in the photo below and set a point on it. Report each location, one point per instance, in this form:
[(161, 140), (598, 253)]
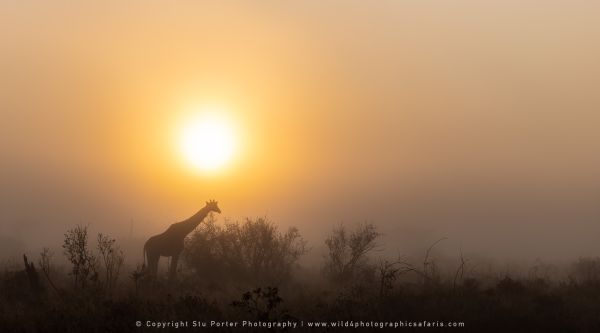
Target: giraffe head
[(212, 205)]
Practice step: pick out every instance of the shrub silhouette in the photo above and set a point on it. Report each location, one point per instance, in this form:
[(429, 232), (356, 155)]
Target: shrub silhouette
[(586, 270), (86, 265), (347, 251), (45, 264), (111, 258), (262, 304), (253, 251), (82, 259)]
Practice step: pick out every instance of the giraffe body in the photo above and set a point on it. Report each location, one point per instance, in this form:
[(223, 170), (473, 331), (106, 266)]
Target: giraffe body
[(170, 242)]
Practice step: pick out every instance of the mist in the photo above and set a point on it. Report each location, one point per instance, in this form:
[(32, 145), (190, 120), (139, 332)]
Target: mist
[(471, 121)]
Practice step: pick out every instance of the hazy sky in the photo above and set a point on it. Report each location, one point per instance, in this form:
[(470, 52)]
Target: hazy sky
[(476, 120)]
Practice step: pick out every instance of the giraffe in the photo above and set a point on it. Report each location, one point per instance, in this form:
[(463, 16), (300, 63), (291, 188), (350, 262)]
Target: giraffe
[(170, 242)]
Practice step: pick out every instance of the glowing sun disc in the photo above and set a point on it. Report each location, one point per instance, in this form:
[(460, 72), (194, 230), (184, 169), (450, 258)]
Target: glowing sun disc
[(208, 142)]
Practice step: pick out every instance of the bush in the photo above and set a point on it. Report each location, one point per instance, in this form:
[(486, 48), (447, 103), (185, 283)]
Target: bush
[(347, 251), (86, 264), (586, 270), (253, 251), (111, 258), (77, 251)]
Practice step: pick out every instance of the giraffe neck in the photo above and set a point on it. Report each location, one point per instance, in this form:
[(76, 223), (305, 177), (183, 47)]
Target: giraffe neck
[(192, 222)]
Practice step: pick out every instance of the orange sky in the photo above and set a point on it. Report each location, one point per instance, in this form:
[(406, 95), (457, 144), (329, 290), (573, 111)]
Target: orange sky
[(349, 111)]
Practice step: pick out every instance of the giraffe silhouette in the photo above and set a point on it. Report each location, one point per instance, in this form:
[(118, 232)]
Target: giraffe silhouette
[(170, 242)]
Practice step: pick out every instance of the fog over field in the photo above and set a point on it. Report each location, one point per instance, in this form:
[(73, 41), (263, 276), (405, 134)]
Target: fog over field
[(468, 120)]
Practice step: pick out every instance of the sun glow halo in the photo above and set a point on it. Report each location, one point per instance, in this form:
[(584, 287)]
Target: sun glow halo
[(208, 141)]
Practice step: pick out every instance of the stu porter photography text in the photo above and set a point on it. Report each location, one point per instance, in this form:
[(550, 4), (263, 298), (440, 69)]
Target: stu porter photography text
[(295, 324)]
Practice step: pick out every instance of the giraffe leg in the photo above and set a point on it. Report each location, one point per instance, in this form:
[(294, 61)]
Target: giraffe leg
[(173, 267)]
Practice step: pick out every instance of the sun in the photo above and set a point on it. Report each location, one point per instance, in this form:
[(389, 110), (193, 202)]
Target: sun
[(208, 141)]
